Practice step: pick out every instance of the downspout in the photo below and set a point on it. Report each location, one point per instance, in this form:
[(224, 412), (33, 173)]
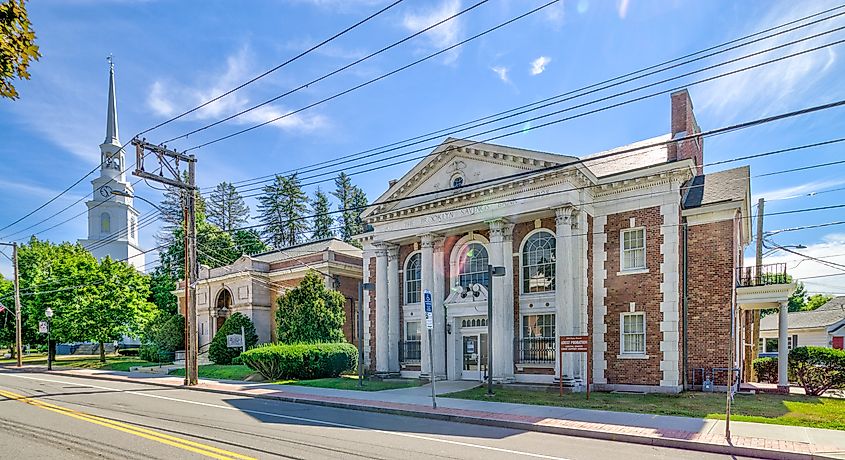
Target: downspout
[(685, 301)]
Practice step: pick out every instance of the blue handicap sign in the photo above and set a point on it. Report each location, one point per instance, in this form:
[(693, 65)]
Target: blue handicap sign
[(427, 300)]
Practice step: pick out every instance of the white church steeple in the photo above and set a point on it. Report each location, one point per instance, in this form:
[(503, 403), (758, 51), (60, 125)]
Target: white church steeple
[(112, 219)]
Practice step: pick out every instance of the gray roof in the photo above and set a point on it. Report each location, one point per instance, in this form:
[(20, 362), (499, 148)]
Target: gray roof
[(650, 155), (825, 316), (309, 248), (723, 186)]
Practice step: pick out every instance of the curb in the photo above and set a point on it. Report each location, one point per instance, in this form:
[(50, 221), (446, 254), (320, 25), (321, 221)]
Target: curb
[(727, 449)]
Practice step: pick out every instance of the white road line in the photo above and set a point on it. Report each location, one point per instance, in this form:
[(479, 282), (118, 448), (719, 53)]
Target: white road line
[(300, 419)]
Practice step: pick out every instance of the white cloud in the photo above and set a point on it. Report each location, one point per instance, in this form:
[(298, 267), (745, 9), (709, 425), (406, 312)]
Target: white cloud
[(555, 14), (774, 87), (830, 249), (805, 189), (623, 8), (442, 36), (165, 97), (502, 72), (539, 65)]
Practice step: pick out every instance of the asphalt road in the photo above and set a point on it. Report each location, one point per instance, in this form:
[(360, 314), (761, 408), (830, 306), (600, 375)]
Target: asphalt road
[(47, 416)]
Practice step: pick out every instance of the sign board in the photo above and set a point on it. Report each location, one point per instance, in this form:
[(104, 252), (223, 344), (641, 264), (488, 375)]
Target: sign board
[(574, 343), (234, 341), (429, 319), (42, 327)]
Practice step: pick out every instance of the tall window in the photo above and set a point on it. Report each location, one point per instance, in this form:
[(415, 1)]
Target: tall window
[(412, 330), (132, 226), (105, 223), (633, 333), (413, 281), (538, 326), (473, 265), (633, 249), (538, 263)]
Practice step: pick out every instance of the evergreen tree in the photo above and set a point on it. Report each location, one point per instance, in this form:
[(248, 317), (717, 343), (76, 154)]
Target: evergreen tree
[(172, 211), (248, 242), (215, 248), (359, 203), (310, 312), (226, 208), (322, 227), (345, 193), (282, 210)]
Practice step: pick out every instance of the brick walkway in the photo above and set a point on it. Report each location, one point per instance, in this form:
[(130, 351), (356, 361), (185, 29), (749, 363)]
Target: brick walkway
[(748, 439)]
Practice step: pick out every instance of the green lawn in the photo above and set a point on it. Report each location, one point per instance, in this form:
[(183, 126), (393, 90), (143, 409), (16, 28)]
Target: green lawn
[(113, 363), (797, 410), (350, 382), (219, 371)]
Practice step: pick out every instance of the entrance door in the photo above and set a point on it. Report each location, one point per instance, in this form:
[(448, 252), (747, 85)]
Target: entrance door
[(474, 348)]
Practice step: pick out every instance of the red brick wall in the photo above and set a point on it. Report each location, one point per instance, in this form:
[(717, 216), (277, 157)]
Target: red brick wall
[(644, 289), (683, 120), (297, 262), (349, 288), (710, 272)]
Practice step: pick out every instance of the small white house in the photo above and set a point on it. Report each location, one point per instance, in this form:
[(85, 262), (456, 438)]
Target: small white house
[(822, 327)]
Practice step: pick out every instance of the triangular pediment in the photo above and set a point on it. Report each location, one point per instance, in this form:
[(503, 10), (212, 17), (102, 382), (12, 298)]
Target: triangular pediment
[(467, 162)]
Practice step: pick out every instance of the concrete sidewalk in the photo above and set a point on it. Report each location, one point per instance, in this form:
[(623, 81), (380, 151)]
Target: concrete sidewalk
[(748, 439)]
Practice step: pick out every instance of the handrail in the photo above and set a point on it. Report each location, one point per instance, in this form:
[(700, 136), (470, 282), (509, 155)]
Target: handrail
[(762, 275)]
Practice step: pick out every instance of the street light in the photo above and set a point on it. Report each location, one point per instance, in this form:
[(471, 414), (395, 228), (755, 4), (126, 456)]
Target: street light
[(491, 273), (49, 314), (361, 288)]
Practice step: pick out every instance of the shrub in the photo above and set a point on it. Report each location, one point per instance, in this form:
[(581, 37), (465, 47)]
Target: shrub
[(236, 361), (169, 335), (311, 313), (766, 369), (302, 361), (149, 352), (128, 351), (218, 351), (818, 369)]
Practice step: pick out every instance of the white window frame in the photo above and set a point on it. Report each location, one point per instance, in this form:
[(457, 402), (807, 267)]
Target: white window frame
[(522, 261), (622, 267), (405, 279), (419, 330), (622, 352)]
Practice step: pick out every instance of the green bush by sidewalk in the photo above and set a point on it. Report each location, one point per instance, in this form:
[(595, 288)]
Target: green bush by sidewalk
[(818, 369), (218, 352), (302, 361)]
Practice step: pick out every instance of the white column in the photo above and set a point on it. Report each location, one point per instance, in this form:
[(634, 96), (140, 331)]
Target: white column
[(393, 308), (783, 351), (577, 313), (369, 252), (438, 295), (382, 318), (502, 337), (598, 310), (507, 287), (427, 242), (563, 287)]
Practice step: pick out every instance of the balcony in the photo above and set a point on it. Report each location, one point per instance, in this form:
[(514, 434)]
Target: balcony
[(410, 351), (762, 275), (535, 350)]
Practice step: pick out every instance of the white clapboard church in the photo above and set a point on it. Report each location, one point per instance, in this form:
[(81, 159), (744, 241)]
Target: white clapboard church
[(112, 219)]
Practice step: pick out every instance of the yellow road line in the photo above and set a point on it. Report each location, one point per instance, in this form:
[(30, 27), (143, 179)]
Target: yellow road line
[(185, 444)]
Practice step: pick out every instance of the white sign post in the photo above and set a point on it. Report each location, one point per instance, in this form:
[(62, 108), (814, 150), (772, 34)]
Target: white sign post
[(42, 327), (237, 341), (429, 324)]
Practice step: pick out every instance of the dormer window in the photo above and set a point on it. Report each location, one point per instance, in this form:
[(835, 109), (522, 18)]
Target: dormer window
[(458, 181)]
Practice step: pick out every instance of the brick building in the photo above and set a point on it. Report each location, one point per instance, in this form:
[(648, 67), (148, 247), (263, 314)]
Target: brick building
[(604, 246), (252, 284)]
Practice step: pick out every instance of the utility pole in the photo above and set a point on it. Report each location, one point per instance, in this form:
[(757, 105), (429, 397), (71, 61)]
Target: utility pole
[(169, 173), (755, 327), (18, 330)]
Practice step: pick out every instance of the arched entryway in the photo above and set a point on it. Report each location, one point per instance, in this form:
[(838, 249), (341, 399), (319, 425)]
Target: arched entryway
[(224, 308)]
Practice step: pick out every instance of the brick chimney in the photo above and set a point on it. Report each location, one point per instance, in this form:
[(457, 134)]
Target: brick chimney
[(684, 124)]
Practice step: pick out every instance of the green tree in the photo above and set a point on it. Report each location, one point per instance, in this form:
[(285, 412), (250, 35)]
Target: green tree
[(322, 227), (351, 203), (168, 333), (226, 208), (215, 248), (7, 317), (282, 208), (248, 242), (816, 301), (218, 351), (17, 46), (798, 299), (310, 312), (162, 286), (172, 211)]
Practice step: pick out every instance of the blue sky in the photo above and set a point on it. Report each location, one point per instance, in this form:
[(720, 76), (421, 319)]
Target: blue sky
[(173, 55)]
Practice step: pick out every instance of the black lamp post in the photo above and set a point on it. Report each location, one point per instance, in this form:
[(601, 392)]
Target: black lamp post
[(361, 288), (49, 314), (491, 273)]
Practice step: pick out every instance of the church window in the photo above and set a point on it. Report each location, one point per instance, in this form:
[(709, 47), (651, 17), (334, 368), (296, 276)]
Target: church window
[(105, 223), (413, 279), (538, 263), (132, 227), (473, 266)]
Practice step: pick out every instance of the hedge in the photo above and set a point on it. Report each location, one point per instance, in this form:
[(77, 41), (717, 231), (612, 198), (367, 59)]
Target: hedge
[(218, 351), (302, 361), (766, 369), (818, 369), (151, 353)]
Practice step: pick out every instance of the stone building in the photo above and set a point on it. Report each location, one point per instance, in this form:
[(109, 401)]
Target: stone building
[(603, 246), (252, 284)]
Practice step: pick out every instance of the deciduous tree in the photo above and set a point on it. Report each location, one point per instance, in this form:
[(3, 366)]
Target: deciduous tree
[(17, 46)]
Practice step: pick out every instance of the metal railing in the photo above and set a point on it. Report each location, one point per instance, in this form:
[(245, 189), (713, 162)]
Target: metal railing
[(410, 351), (534, 350), (761, 275)]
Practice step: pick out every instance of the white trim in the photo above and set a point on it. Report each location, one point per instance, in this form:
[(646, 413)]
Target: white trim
[(638, 269), (466, 240), (521, 252), (670, 322), (632, 354), (599, 309)]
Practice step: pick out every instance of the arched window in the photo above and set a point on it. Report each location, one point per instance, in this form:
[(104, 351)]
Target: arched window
[(413, 279), (224, 307), (538, 263), (105, 223), (472, 266)]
